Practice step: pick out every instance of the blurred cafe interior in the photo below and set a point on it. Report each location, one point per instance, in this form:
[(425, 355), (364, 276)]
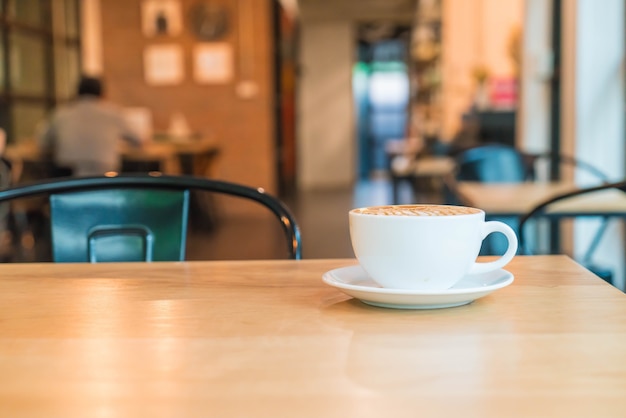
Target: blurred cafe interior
[(328, 104)]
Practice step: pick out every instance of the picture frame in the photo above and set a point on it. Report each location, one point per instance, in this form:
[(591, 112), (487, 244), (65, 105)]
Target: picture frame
[(161, 18), (213, 63), (163, 64)]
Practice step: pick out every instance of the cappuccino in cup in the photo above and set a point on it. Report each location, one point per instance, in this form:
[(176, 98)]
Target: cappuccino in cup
[(424, 247), (417, 210)]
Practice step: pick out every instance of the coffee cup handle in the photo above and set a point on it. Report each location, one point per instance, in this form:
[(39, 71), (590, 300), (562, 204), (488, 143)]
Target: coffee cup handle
[(489, 228)]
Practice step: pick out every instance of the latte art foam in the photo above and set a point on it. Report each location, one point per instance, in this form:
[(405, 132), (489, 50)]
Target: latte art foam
[(417, 210)]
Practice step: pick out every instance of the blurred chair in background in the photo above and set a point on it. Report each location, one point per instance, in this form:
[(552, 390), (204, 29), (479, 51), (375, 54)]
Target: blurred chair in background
[(499, 163), (606, 202), (492, 163), (540, 167)]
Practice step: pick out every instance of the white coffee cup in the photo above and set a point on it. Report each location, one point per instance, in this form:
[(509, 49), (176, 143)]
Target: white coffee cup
[(424, 247)]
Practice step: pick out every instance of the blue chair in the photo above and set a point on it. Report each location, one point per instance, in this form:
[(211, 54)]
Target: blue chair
[(134, 217), (499, 163), (119, 225), (491, 163)]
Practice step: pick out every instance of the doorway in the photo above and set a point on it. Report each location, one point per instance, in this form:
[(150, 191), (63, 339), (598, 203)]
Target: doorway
[(381, 93)]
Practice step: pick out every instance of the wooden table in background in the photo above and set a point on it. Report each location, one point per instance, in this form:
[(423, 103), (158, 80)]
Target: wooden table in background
[(508, 199), (270, 339), (519, 198), (167, 154), (516, 199)]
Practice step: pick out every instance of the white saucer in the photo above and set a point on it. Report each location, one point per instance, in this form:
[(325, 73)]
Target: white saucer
[(354, 281)]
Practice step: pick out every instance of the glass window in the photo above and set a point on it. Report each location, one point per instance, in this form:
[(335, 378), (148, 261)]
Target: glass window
[(66, 70), (28, 11), (28, 70), (39, 60), (27, 119), (71, 18)]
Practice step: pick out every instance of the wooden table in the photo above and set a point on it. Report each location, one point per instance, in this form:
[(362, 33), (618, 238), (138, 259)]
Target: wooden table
[(508, 199), (269, 339), (516, 199), (166, 153)]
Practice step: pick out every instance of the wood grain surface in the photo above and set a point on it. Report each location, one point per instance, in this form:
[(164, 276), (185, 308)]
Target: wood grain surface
[(270, 339)]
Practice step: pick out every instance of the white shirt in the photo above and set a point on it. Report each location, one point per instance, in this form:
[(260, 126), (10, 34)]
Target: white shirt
[(85, 136)]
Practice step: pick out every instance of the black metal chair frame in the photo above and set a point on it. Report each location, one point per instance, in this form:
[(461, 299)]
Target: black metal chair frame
[(163, 182), (531, 161), (539, 211)]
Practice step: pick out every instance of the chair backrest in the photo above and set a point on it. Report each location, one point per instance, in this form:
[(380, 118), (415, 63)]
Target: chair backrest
[(488, 163), (492, 163), (499, 163), (134, 217), (605, 207), (543, 168), (122, 225), (540, 166), (543, 209)]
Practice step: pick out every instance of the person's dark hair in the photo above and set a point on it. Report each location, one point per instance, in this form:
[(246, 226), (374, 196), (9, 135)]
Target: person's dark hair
[(90, 86)]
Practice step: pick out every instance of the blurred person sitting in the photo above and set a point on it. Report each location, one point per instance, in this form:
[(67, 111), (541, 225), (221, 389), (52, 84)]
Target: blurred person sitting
[(84, 136)]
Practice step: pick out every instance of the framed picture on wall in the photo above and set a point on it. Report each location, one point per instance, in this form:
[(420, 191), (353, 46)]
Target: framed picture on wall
[(213, 63), (161, 17), (163, 64)]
